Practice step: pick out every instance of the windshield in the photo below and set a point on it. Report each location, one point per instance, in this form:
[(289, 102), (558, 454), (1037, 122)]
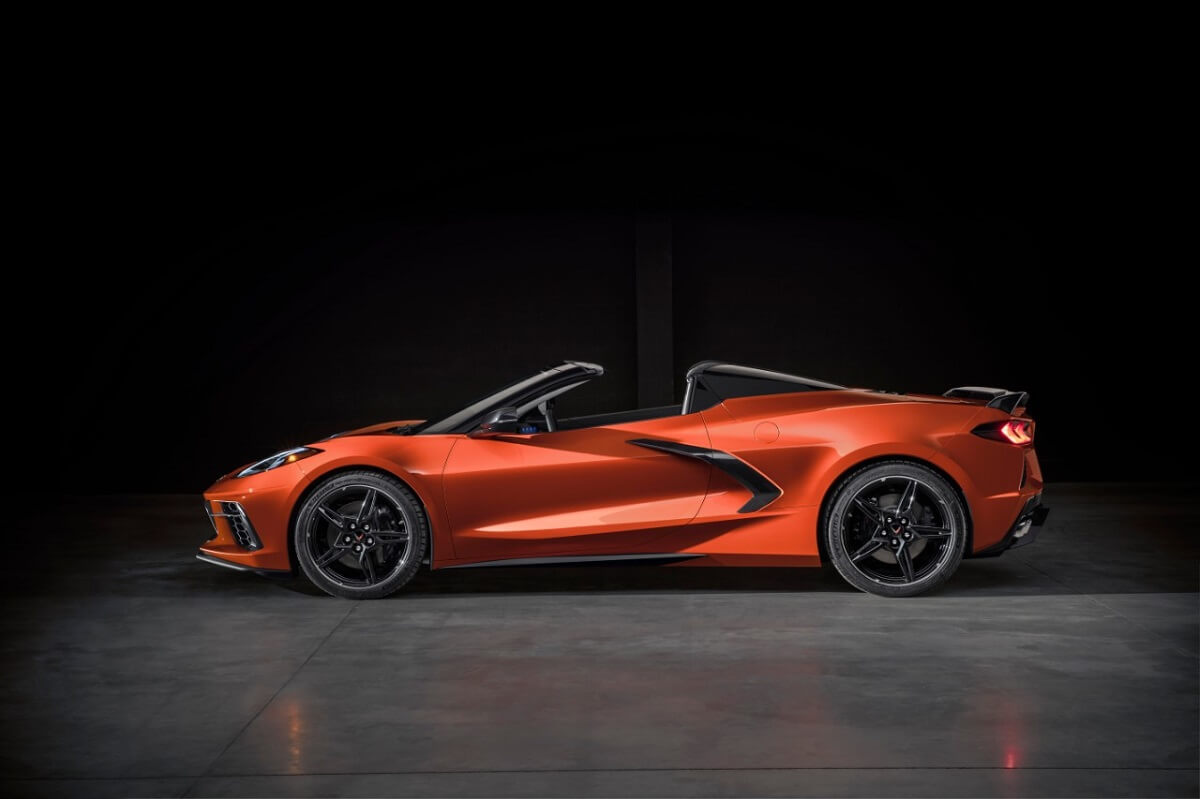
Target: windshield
[(514, 394)]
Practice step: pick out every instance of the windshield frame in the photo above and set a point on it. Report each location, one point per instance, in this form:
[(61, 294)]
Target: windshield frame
[(515, 394)]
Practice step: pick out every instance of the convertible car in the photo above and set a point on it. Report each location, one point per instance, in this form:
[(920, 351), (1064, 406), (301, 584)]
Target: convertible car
[(755, 468)]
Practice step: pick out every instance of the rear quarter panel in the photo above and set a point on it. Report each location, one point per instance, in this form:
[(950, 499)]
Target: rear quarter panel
[(806, 442)]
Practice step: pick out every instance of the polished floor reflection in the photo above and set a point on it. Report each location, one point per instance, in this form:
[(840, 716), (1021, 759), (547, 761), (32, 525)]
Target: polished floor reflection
[(1069, 668)]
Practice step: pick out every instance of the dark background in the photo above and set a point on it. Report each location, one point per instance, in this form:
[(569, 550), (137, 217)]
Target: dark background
[(218, 276)]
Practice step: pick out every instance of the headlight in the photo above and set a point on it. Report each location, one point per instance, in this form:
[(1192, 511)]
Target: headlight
[(278, 459)]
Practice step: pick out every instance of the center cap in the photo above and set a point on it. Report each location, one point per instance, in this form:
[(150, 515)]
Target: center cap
[(896, 528)]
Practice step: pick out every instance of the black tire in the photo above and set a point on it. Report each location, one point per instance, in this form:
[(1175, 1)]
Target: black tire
[(881, 548), (361, 535)]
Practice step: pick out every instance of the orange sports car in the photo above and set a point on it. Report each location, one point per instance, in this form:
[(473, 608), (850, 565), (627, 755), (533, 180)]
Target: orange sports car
[(755, 468)]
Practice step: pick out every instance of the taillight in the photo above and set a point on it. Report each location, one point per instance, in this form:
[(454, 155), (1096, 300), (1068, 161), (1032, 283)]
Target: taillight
[(1011, 431)]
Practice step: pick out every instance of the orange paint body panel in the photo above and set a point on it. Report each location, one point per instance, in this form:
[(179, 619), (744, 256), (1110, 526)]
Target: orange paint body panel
[(590, 491), (570, 491)]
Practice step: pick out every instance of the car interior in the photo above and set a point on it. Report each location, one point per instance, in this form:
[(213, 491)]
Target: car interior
[(541, 416), (538, 415)]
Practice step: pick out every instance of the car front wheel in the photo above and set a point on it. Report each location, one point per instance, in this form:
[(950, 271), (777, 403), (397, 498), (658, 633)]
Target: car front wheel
[(361, 535)]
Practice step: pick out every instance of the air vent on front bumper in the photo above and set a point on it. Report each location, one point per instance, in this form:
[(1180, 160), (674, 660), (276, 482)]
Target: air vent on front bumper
[(237, 520)]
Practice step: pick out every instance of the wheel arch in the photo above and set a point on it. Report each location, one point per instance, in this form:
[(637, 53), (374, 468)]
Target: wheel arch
[(318, 479), (832, 488)]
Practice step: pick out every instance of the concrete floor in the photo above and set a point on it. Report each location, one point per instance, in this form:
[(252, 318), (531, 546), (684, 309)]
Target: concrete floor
[(1067, 668)]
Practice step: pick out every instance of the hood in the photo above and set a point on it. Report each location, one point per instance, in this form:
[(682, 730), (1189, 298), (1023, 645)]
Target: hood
[(396, 427)]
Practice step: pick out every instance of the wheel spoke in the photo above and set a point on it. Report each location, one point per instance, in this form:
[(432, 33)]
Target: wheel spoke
[(869, 510), (925, 531), (330, 556), (390, 536), (375, 553), (332, 516), (368, 506), (866, 549), (906, 564), (906, 499)]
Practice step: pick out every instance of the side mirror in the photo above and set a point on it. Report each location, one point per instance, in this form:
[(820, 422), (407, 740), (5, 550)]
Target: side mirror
[(499, 422)]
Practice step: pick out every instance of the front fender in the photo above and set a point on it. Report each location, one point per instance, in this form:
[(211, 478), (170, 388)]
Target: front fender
[(418, 467)]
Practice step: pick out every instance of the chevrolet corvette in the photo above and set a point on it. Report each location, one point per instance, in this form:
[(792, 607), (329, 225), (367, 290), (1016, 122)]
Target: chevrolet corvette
[(754, 468)]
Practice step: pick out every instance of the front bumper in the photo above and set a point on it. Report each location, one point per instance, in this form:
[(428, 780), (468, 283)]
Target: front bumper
[(250, 518), (233, 535), (1023, 531)]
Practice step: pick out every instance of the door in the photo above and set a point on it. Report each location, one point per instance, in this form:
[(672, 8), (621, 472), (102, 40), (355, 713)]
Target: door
[(573, 491)]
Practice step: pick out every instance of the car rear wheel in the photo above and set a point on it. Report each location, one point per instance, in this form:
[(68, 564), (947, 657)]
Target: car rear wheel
[(895, 528), (361, 535)]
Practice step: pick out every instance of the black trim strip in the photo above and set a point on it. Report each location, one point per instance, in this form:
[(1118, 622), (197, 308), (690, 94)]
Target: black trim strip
[(575, 559), (763, 491), (237, 567)]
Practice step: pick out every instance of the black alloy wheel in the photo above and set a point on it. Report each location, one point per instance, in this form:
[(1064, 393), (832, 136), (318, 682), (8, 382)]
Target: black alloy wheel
[(361, 535), (895, 529)]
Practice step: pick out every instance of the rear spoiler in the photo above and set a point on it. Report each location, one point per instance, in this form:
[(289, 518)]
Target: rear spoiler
[(999, 398)]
